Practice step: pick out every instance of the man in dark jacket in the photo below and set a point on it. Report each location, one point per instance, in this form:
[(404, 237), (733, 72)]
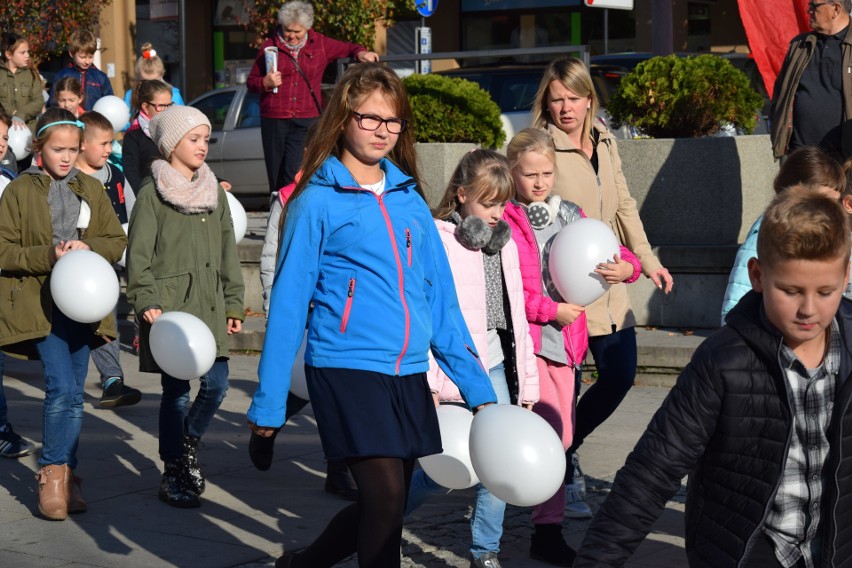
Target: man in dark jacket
[(760, 417), (812, 102)]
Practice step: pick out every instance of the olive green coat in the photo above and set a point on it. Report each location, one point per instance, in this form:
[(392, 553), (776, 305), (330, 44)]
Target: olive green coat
[(183, 262), (26, 236), (21, 94)]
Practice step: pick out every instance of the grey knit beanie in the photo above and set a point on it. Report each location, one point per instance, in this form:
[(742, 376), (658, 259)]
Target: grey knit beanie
[(169, 126)]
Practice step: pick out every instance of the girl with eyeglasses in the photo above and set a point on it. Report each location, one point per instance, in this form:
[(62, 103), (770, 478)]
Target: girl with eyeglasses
[(151, 97), (359, 243)]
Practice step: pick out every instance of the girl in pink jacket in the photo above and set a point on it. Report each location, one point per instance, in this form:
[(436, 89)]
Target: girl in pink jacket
[(558, 329), (487, 276)]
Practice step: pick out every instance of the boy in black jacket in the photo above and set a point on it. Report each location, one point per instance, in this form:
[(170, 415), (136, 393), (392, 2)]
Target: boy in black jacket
[(760, 417)]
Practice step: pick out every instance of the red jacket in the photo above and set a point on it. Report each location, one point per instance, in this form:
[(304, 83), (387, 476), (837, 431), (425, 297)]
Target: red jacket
[(293, 99)]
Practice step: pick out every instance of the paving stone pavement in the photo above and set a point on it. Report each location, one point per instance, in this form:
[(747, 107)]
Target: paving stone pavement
[(248, 517)]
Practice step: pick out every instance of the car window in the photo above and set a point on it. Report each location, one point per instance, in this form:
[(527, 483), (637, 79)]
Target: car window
[(250, 112), (215, 107), (517, 93)]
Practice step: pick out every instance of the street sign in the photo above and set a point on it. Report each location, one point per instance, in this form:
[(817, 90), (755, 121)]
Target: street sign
[(423, 36), (427, 7), (616, 4)]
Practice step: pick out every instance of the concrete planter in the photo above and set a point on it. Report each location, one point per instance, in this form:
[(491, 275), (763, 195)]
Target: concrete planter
[(437, 163), (697, 199)]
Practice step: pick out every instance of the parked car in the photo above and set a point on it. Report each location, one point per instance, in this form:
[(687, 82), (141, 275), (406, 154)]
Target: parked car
[(236, 152), (513, 88)]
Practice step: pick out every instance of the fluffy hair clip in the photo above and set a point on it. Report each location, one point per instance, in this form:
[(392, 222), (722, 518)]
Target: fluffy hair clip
[(149, 53)]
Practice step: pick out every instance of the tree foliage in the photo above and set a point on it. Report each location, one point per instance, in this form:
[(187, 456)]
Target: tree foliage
[(352, 20), (48, 24), (683, 97), (450, 109)]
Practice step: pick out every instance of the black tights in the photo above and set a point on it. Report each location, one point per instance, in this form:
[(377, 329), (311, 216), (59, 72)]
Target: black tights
[(372, 527)]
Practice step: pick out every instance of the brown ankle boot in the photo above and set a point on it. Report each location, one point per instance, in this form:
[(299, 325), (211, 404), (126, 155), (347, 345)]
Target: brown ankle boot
[(76, 503), (53, 491)]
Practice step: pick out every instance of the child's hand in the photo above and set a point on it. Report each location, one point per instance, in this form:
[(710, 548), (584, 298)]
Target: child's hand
[(528, 405), (234, 326), (662, 279), (616, 271), (226, 185), (567, 313), (150, 316), (75, 245), (436, 399), (63, 247), (18, 123)]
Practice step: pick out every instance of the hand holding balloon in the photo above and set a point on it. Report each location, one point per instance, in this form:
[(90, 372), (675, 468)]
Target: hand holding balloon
[(566, 314), (616, 271), (64, 247), (150, 316)]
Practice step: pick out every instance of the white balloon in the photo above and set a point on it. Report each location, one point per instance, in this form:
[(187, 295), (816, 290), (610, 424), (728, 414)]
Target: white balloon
[(518, 456), (123, 260), (298, 382), (182, 345), (84, 286), (19, 142), (114, 109), (238, 214), (576, 252), (452, 468)]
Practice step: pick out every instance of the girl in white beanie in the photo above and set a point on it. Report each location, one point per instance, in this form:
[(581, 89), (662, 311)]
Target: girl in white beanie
[(182, 256)]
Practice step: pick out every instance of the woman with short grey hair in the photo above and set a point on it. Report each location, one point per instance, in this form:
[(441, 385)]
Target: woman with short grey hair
[(291, 94)]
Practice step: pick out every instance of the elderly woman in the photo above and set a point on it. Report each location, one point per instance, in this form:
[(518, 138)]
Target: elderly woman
[(587, 157), (286, 115)]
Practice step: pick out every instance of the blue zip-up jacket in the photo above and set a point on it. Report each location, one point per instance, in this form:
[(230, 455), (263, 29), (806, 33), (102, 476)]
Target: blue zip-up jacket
[(95, 84), (738, 282), (377, 274)]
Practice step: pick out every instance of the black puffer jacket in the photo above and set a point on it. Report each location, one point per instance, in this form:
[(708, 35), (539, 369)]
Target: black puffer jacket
[(728, 424)]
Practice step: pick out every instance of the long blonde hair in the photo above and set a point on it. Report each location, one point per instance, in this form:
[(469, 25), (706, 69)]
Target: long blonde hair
[(482, 174), (358, 82), (530, 140), (574, 76)]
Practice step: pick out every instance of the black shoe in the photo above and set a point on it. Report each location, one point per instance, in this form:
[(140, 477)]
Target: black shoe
[(118, 394), (287, 560), (549, 546), (339, 481), (262, 449), (191, 468), (175, 490), (12, 445)]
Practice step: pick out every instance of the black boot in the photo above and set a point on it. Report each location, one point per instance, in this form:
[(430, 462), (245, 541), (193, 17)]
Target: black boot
[(191, 467), (261, 450), (174, 488), (339, 481), (549, 546)]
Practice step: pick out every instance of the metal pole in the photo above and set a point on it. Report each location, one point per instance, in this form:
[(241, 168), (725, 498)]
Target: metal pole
[(183, 42), (606, 31)]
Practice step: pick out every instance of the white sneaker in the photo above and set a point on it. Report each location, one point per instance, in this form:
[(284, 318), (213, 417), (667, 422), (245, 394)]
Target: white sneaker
[(575, 506)]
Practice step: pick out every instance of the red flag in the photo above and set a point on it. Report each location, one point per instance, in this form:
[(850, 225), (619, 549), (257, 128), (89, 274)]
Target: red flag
[(769, 27)]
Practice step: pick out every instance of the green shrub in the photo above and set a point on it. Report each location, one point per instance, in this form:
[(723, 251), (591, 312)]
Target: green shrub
[(682, 97), (448, 109)]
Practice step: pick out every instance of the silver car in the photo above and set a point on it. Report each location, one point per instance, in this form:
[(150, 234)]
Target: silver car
[(236, 151)]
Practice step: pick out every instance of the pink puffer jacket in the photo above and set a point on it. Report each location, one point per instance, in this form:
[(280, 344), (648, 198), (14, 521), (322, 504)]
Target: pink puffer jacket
[(541, 309), (469, 277)]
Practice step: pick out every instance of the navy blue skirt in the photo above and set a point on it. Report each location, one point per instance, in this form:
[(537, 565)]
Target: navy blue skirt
[(368, 414)]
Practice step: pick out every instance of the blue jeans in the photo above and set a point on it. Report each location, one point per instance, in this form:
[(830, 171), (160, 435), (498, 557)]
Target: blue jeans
[(486, 521), (174, 419), (615, 359), (106, 357), (65, 356)]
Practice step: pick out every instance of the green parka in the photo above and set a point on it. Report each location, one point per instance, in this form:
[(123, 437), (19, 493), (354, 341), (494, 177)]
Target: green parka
[(183, 262), (26, 237), (21, 94)]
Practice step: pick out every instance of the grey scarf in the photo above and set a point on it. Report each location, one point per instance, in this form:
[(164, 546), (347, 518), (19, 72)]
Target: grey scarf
[(199, 195)]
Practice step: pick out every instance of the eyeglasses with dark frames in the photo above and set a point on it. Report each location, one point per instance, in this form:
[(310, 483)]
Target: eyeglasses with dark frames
[(159, 107), (372, 122), (812, 6)]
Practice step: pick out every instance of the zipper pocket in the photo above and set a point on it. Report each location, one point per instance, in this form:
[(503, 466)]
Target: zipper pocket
[(475, 356), (349, 297), (408, 244)]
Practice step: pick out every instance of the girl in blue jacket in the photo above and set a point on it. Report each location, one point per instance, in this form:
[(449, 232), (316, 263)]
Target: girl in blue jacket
[(360, 245)]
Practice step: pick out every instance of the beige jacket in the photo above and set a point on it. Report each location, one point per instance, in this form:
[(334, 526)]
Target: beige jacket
[(604, 197)]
